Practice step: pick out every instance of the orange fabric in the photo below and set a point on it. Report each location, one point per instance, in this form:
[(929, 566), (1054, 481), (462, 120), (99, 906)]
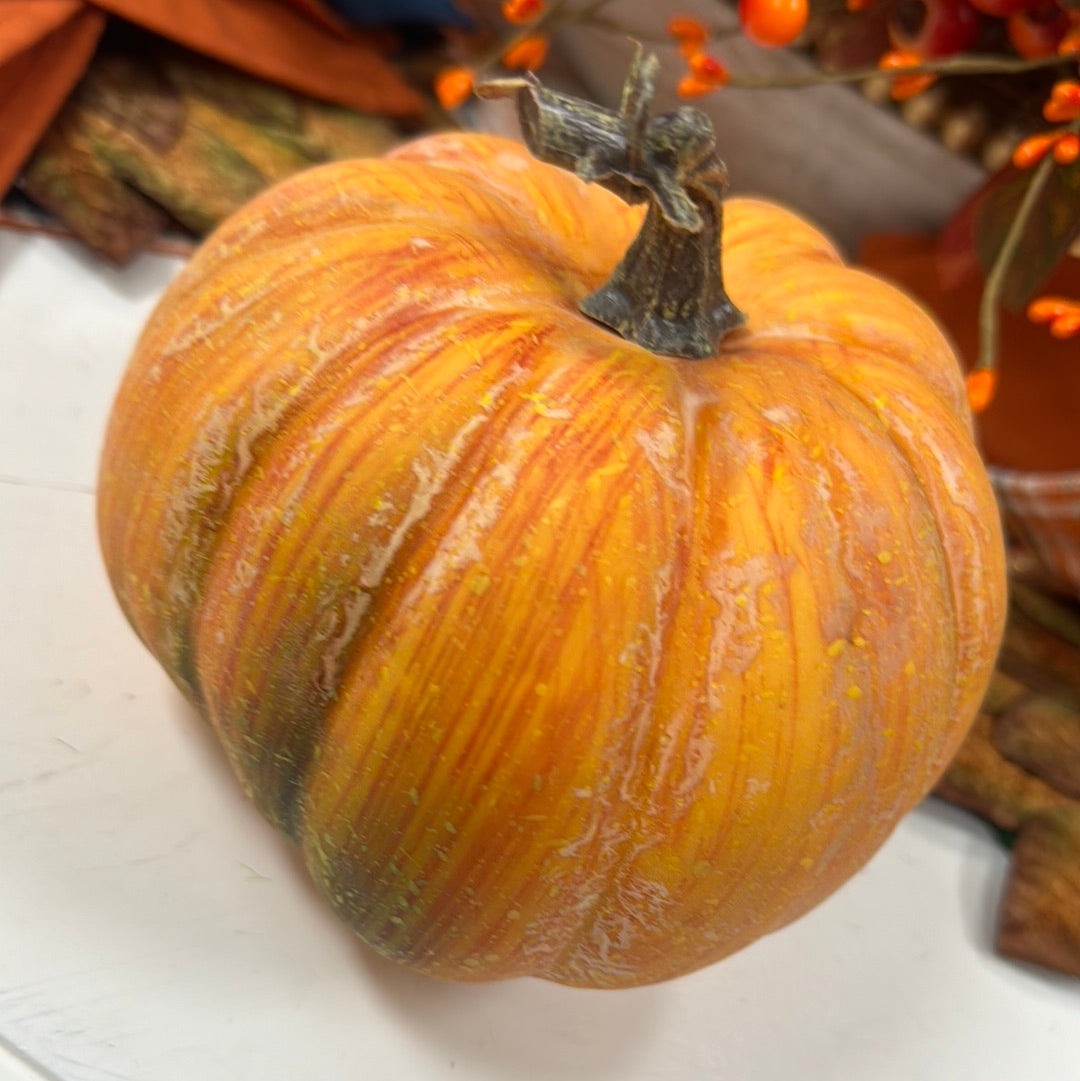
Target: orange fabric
[(46, 44), (317, 12), (274, 41), (24, 22), (1032, 421)]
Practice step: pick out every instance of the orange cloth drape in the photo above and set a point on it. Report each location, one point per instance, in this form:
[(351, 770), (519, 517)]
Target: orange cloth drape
[(45, 46)]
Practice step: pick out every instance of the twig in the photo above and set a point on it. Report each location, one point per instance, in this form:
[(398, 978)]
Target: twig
[(989, 323), (973, 64)]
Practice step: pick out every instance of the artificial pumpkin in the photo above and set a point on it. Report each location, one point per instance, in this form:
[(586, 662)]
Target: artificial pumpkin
[(553, 655)]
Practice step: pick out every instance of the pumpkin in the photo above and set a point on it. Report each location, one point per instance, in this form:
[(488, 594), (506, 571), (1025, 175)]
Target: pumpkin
[(553, 655)]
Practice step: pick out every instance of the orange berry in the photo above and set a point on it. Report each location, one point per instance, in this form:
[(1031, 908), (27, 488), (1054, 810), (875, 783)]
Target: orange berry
[(453, 87), (905, 86), (981, 385), (690, 86), (1037, 31), (1047, 309), (1067, 326), (520, 12), (689, 33), (528, 53), (1067, 149), (1033, 149), (1063, 104), (773, 23), (1070, 43), (1061, 313), (708, 69)]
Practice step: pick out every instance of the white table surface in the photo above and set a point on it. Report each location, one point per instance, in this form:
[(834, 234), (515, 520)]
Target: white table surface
[(152, 927)]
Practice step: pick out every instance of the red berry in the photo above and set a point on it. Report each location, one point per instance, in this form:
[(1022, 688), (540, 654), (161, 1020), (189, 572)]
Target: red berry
[(773, 23), (1038, 31), (1001, 9), (934, 27)]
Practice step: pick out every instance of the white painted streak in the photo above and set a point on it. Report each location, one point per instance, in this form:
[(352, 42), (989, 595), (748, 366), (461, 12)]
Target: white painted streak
[(432, 470), (460, 546), (735, 586)]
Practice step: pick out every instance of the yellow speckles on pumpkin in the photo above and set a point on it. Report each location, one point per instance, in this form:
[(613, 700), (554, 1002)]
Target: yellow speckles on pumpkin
[(806, 863), (598, 477), (541, 690), (702, 868), (479, 583), (513, 915), (854, 691), (884, 557), (909, 669), (836, 647), (545, 407), (414, 797)]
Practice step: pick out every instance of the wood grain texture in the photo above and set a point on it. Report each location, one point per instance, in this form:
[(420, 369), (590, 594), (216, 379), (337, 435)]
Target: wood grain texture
[(553, 656)]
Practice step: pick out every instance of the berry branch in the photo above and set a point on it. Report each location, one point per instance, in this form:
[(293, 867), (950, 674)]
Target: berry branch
[(1041, 35)]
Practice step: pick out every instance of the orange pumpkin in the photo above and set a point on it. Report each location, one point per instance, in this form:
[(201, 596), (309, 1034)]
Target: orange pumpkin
[(554, 656)]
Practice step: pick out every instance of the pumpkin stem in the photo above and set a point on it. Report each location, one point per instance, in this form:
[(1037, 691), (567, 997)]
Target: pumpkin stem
[(667, 294)]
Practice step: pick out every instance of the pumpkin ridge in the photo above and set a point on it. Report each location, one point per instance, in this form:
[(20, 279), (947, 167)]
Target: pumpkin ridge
[(202, 469), (353, 612), (529, 406), (577, 960), (912, 447)]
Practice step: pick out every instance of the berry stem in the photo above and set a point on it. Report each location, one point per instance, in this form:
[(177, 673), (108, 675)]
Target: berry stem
[(967, 64), (989, 304)]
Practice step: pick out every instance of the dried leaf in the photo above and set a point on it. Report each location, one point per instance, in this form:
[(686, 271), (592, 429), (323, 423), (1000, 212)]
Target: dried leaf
[(1055, 614), (134, 96), (205, 175), (1053, 227), (1042, 734), (234, 93), (1041, 659), (982, 781), (330, 133), (1040, 913), (65, 177)]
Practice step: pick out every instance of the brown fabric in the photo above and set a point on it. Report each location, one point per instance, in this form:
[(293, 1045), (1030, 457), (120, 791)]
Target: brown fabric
[(45, 46)]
